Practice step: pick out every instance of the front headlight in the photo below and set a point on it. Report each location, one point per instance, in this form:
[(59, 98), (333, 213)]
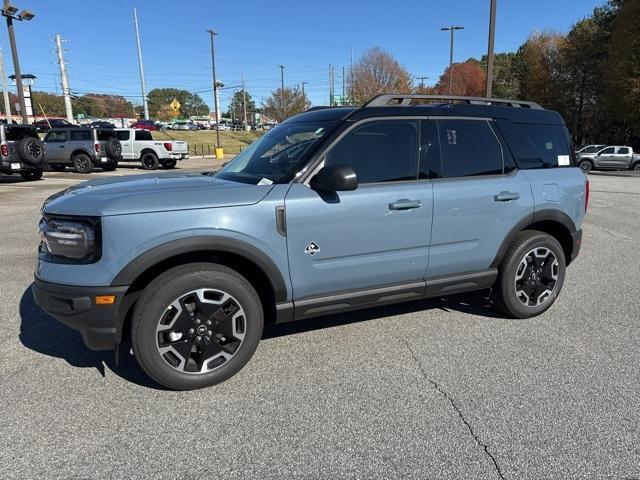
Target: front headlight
[(69, 240)]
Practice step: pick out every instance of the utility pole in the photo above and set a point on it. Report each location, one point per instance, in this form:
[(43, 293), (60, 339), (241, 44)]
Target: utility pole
[(64, 80), (451, 28), (282, 77), (244, 100), (142, 84), (492, 34), (422, 79), (215, 87), (5, 91), (344, 89), (303, 84), (351, 82), (331, 92)]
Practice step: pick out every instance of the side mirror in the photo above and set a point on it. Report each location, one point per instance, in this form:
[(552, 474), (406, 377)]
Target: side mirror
[(334, 178)]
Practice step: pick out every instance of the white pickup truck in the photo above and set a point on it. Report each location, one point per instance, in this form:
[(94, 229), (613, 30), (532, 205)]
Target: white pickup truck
[(139, 146)]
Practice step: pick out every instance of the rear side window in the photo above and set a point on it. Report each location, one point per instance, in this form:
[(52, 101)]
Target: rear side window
[(56, 136), (143, 135), (623, 150), (18, 133), (122, 135), (105, 134), (537, 145), (82, 135), (466, 148), (379, 151)]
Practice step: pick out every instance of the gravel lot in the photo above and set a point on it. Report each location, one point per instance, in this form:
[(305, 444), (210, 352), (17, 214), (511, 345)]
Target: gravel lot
[(437, 389)]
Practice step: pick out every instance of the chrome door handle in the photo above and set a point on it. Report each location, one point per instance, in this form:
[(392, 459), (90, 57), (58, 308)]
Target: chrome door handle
[(506, 196), (405, 204)]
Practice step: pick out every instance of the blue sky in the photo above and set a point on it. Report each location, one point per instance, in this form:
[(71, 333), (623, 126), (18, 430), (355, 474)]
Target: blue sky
[(257, 36)]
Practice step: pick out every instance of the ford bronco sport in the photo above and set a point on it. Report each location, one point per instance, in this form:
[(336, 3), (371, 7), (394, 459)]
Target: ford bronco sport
[(21, 151), (83, 148), (405, 198)]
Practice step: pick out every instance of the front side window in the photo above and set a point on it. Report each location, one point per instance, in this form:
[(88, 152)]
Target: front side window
[(608, 151), (276, 156), (379, 151), (56, 136), (623, 151), (467, 148)]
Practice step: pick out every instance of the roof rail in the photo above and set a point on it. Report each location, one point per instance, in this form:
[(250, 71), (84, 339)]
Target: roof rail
[(390, 99)]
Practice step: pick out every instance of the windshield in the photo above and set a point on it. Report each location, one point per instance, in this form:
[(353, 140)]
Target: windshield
[(277, 155), (591, 149)]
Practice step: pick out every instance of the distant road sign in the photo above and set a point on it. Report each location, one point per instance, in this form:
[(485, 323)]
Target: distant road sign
[(175, 105)]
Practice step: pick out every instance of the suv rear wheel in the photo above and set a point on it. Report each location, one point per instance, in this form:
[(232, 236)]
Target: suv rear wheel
[(585, 166), (82, 163), (32, 174), (531, 275), (196, 325)]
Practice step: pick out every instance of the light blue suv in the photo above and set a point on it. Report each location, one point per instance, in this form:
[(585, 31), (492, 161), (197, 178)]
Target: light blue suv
[(336, 209)]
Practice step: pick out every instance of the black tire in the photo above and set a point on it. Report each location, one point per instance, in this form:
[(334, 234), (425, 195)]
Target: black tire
[(31, 151), (149, 161), (113, 147), (58, 167), (154, 308), (636, 169), (586, 166), (518, 262), (32, 174), (110, 166), (82, 163), (168, 164)]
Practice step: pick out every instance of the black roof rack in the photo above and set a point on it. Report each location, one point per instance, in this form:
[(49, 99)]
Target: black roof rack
[(389, 99)]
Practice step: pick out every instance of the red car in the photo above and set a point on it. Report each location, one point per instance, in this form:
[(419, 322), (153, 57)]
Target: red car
[(147, 125)]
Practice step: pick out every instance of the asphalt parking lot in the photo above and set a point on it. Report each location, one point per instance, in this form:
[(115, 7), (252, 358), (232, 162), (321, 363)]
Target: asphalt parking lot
[(438, 389)]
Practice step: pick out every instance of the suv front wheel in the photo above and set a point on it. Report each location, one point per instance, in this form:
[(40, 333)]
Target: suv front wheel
[(196, 325), (82, 163), (531, 275)]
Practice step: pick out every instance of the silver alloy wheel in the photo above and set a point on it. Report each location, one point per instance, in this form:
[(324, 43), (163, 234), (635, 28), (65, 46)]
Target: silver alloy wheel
[(200, 331), (536, 277)]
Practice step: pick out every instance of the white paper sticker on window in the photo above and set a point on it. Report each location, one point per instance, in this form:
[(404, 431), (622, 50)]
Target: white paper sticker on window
[(265, 181), (564, 160), (451, 137), (549, 145)]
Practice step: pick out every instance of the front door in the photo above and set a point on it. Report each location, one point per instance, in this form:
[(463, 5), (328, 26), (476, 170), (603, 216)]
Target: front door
[(56, 144), (374, 236), (607, 158)]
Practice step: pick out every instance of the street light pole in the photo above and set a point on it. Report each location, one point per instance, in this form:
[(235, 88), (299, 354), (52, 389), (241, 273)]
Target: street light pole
[(282, 77), (215, 87), (451, 28), (303, 84), (492, 34), (9, 11)]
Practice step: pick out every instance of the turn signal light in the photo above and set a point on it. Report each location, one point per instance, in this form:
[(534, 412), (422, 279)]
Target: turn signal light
[(105, 299)]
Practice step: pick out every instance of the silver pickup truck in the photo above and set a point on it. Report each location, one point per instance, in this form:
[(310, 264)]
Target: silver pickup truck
[(612, 157), (139, 146)]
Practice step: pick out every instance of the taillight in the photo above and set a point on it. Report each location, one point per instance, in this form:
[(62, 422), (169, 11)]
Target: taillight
[(98, 147), (168, 146), (4, 149), (586, 195)]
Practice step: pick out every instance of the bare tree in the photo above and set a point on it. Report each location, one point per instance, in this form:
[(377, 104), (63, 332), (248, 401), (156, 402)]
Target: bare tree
[(285, 102), (378, 72)]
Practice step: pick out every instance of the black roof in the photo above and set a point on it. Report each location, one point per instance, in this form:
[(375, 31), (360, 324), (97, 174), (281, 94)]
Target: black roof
[(516, 114)]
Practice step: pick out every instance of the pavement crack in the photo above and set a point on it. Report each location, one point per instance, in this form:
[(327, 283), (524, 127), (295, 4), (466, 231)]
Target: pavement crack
[(446, 396)]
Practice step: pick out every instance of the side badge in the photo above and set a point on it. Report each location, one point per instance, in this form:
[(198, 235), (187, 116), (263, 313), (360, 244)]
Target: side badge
[(312, 248)]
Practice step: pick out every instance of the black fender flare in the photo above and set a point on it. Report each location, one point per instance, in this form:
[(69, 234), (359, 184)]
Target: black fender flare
[(204, 243), (552, 215)]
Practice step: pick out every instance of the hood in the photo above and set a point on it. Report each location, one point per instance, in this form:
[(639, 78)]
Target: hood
[(152, 193)]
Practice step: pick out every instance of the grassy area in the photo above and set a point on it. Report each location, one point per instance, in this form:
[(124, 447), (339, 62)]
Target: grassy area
[(232, 142)]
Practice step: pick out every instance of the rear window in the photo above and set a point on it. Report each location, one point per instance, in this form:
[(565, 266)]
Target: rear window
[(18, 133), (537, 145), (143, 135), (106, 134)]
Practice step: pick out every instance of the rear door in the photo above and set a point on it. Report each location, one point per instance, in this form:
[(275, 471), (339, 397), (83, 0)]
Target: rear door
[(124, 136), (478, 196), (622, 158)]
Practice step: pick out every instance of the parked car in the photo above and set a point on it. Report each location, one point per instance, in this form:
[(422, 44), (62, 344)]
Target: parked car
[(21, 151), (147, 125), (334, 210), (101, 124), (610, 158), (139, 146), (82, 147), (190, 126), (44, 125)]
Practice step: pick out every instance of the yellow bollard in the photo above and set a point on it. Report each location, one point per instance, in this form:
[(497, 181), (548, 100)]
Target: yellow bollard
[(219, 153)]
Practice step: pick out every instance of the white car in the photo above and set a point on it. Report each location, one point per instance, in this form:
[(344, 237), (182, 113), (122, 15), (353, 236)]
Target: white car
[(139, 146)]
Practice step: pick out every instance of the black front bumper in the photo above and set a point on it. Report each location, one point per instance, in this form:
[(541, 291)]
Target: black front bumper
[(75, 307)]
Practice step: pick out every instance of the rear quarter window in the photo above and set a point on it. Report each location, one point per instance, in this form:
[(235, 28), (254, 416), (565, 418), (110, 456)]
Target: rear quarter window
[(105, 134), (18, 133), (143, 135), (537, 145)]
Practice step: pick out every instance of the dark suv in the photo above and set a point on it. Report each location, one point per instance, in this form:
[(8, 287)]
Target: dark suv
[(83, 148), (21, 151), (335, 209)]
